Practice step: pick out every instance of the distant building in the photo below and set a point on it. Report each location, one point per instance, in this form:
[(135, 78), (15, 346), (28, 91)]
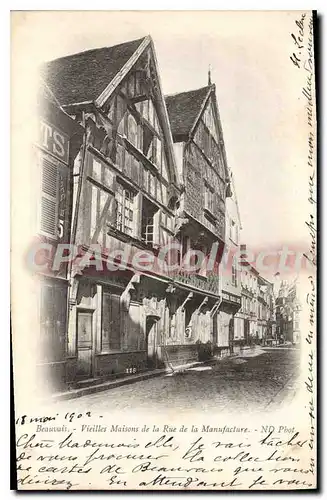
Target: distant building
[(266, 320), (249, 300), (288, 309)]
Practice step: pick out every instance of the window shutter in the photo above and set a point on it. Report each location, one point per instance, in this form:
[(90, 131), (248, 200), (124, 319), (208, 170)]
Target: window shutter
[(49, 198)]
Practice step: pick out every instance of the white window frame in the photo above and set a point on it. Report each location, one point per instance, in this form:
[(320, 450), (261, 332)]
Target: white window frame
[(125, 204)]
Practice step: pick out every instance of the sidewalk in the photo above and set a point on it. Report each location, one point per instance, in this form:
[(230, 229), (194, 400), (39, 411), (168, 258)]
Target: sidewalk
[(94, 387)]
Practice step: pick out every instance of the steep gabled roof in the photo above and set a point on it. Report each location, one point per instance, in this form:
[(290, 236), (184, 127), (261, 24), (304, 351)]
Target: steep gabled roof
[(184, 108), (83, 77), (45, 94)]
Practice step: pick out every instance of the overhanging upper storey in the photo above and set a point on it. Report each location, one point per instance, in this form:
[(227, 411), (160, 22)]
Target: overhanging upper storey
[(197, 134)]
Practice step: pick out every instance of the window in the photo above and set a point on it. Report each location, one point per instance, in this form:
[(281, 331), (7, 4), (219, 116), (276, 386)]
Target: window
[(125, 209), (234, 275), (148, 229), (132, 86), (208, 198), (54, 177), (132, 130), (148, 213), (110, 322), (49, 199)]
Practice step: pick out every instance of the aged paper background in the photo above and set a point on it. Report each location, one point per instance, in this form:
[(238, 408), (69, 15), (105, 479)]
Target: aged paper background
[(174, 438)]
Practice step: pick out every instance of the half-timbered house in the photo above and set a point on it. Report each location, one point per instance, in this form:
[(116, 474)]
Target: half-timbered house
[(204, 177), (125, 200)]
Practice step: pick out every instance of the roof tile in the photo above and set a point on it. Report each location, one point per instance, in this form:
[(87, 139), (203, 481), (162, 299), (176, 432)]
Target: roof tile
[(83, 76), (183, 110)]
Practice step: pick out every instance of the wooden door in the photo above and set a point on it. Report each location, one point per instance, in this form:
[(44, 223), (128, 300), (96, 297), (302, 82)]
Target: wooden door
[(84, 344)]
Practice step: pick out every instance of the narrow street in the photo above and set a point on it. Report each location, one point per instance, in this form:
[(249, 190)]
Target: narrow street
[(249, 382)]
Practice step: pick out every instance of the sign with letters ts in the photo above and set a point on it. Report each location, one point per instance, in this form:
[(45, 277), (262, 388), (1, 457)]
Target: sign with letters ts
[(54, 141)]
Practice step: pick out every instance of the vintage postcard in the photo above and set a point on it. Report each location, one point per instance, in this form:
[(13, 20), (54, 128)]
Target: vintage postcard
[(164, 250)]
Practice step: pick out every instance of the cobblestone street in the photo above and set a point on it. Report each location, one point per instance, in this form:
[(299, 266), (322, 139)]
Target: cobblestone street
[(249, 382)]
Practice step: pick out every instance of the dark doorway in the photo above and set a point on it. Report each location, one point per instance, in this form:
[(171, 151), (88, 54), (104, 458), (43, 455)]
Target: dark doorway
[(151, 341), (84, 344)]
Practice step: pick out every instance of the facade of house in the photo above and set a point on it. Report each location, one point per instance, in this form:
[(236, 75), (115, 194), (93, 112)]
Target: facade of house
[(205, 187), (58, 142), (248, 314), (288, 310), (230, 323), (266, 317)]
